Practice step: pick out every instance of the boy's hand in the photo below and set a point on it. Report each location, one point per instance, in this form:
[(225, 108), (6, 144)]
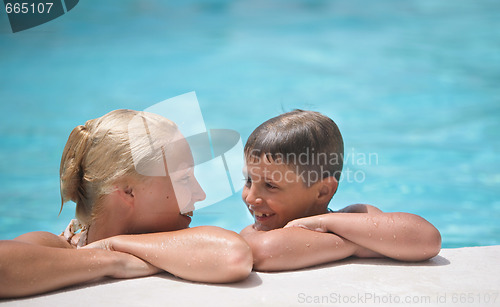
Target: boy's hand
[(314, 223)]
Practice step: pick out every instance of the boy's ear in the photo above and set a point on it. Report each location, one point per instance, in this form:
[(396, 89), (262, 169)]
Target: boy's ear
[(328, 187)]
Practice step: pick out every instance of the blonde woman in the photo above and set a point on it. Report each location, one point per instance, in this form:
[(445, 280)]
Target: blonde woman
[(131, 176)]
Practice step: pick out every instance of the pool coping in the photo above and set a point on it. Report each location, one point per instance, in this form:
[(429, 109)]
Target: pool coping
[(467, 276)]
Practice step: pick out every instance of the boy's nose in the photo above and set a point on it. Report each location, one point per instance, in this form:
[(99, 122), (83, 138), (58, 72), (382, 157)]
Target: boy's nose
[(252, 197)]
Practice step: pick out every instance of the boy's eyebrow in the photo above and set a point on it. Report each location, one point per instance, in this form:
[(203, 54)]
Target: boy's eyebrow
[(267, 178)]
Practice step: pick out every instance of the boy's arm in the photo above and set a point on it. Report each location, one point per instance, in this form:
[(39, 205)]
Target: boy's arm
[(397, 235), (39, 262), (294, 248), (205, 253)]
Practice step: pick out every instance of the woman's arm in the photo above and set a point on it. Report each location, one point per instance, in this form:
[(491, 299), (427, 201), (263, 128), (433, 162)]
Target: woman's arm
[(27, 268), (205, 253), (398, 235), (295, 248)]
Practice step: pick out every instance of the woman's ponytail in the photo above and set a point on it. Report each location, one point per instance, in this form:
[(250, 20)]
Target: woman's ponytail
[(72, 169)]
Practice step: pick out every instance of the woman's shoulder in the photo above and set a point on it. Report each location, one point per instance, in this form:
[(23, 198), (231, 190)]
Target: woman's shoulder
[(44, 238)]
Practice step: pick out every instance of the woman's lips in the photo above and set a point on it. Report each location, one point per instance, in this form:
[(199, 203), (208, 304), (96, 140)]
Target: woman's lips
[(190, 213), (187, 216)]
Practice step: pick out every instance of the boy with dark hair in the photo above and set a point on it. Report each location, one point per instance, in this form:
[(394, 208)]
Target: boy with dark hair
[(293, 167)]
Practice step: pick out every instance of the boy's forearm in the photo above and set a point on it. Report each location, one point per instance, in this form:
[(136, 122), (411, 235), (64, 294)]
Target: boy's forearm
[(206, 254), (294, 248), (400, 236)]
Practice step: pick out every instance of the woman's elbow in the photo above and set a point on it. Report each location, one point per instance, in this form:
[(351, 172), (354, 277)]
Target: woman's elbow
[(239, 261)]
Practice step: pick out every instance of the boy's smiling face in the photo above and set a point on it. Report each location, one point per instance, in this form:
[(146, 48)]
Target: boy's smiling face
[(275, 194)]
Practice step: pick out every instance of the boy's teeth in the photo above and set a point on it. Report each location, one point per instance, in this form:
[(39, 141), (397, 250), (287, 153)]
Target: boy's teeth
[(190, 213), (259, 214)]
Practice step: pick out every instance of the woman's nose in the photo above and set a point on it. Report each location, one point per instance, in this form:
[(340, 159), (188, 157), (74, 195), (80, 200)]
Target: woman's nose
[(198, 193)]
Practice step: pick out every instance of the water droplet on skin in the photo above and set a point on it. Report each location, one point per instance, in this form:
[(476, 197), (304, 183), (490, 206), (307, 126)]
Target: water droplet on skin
[(307, 244), (381, 239), (375, 224), (369, 235), (394, 236)]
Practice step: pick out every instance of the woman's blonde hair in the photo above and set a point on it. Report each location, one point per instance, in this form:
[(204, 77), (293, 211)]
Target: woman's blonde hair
[(100, 153)]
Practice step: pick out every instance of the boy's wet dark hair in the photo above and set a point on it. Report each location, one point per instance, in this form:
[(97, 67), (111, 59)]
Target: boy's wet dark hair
[(308, 141)]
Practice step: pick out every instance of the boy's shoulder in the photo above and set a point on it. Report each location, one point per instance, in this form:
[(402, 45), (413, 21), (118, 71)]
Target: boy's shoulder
[(360, 208), (247, 231)]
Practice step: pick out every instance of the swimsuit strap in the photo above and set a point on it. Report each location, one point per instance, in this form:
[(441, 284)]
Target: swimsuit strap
[(71, 230)]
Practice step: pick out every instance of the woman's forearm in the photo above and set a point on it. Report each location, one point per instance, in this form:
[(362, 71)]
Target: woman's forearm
[(205, 253), (27, 269)]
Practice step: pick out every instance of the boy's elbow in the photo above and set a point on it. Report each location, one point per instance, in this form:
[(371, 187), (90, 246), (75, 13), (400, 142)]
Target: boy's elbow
[(263, 256), (431, 240), (423, 240), (267, 253), (430, 244), (434, 243)]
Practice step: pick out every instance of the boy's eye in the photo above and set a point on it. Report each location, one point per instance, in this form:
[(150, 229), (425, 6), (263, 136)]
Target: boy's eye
[(248, 182), (270, 186)]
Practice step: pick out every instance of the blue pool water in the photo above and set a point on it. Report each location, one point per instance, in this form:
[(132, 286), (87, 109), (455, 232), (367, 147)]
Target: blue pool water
[(413, 83)]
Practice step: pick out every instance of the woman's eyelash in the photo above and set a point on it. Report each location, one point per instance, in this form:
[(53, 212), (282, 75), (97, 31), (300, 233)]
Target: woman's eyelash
[(184, 179)]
